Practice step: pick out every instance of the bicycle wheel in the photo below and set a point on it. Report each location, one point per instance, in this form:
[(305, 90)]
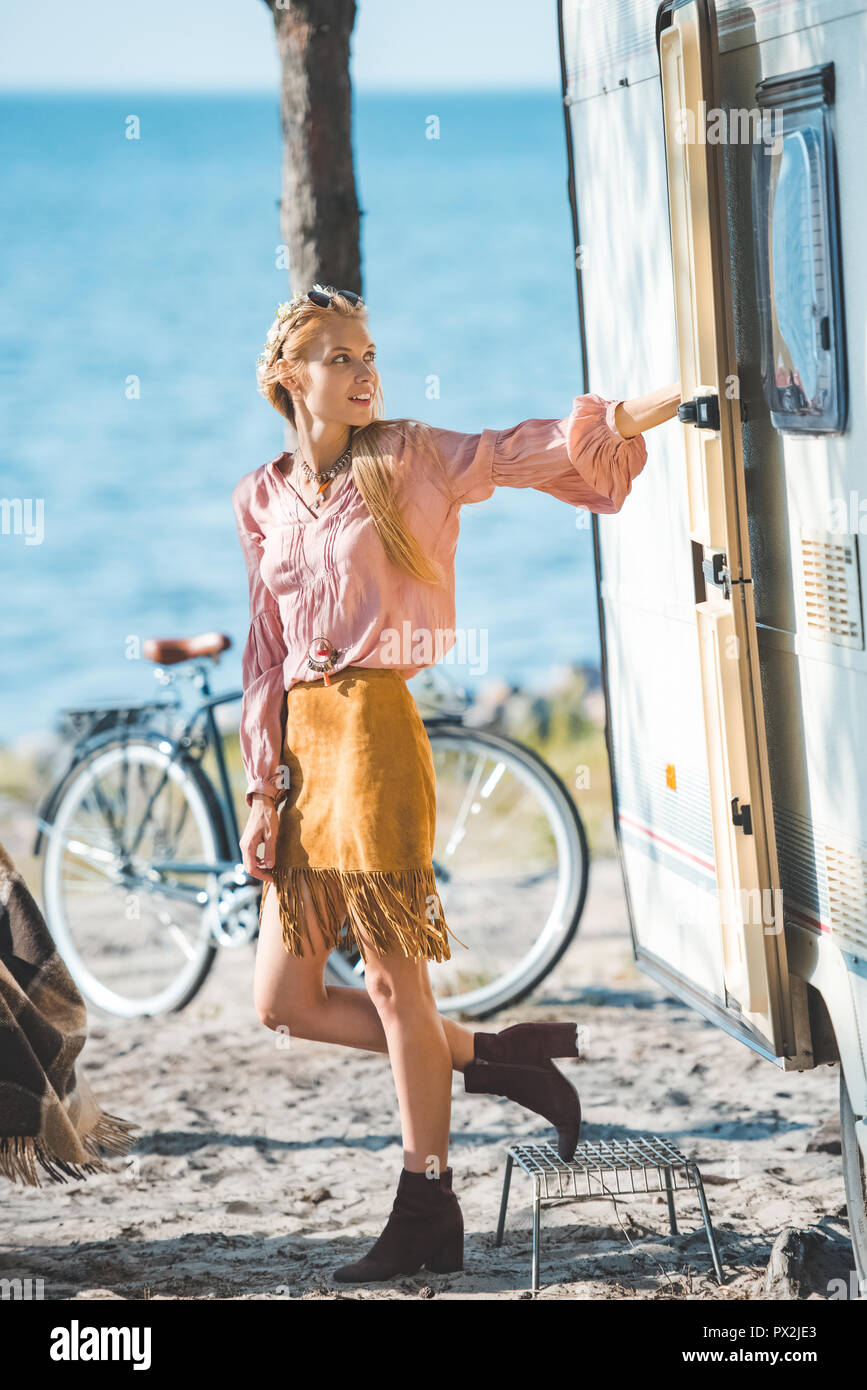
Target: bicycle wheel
[(511, 864), (133, 933)]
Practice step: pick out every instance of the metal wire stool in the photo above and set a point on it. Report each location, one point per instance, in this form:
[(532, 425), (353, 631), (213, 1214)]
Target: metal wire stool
[(613, 1169)]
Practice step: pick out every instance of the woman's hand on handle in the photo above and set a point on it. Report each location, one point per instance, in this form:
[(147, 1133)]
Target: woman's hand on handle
[(261, 829), (643, 412)]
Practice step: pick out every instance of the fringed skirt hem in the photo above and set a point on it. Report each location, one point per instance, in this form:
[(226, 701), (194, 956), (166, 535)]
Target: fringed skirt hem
[(396, 910)]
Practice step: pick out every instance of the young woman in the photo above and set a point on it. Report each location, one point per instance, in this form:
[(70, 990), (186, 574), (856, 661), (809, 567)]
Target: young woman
[(349, 545)]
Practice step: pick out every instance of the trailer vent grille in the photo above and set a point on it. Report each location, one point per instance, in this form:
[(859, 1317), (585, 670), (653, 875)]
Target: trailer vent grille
[(847, 896), (831, 591)]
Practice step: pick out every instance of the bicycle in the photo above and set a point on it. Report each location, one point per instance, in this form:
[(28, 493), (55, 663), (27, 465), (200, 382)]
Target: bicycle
[(142, 880)]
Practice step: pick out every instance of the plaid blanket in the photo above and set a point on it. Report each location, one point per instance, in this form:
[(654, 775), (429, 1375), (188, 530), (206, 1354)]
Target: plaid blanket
[(48, 1116)]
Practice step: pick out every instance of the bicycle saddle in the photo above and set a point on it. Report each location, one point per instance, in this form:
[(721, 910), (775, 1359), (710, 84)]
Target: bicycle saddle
[(167, 651)]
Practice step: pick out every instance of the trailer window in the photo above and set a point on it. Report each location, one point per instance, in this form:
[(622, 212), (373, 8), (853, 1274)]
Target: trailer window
[(797, 254)]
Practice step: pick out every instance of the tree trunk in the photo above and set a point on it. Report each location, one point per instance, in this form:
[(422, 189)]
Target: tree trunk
[(320, 219)]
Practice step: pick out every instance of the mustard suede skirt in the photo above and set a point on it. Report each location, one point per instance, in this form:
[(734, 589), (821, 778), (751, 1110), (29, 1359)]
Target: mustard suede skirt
[(358, 823)]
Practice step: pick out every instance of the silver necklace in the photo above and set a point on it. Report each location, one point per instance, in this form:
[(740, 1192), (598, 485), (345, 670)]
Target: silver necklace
[(325, 477)]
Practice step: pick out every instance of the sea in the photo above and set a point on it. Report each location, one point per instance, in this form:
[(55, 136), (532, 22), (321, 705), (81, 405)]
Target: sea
[(141, 265)]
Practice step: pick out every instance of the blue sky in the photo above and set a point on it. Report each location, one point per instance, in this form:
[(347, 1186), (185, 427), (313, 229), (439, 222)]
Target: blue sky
[(104, 45)]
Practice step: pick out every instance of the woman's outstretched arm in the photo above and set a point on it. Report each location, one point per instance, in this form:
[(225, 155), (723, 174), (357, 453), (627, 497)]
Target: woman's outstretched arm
[(643, 412), (588, 458)]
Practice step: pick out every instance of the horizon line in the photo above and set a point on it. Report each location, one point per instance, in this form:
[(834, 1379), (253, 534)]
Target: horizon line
[(360, 89)]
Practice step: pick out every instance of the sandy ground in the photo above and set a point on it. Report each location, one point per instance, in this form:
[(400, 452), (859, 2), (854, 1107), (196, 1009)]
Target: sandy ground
[(261, 1167)]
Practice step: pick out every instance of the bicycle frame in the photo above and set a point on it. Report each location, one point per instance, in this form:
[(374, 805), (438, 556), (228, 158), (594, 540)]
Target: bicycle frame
[(101, 723)]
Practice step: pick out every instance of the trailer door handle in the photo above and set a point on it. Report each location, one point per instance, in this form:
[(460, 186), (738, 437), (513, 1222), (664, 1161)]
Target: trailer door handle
[(716, 571), (701, 411)]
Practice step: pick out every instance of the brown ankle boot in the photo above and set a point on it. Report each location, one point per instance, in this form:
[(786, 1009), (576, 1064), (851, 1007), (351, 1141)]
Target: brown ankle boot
[(426, 1227), (528, 1042), (540, 1088)]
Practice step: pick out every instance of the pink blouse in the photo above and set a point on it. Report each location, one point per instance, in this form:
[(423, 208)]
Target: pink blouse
[(327, 574)]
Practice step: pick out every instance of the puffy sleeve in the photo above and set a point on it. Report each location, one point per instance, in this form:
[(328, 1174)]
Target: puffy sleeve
[(261, 727), (582, 459)]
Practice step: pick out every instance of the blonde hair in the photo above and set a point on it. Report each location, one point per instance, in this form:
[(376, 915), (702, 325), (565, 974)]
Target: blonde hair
[(374, 446)]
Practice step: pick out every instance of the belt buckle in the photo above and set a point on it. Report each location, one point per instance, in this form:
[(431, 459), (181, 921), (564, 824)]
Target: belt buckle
[(322, 656)]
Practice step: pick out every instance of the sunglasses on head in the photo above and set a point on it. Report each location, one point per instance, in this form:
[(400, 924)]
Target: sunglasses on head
[(324, 300)]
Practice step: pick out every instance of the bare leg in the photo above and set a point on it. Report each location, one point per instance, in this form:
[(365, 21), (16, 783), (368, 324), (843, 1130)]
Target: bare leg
[(289, 992), (419, 1052)]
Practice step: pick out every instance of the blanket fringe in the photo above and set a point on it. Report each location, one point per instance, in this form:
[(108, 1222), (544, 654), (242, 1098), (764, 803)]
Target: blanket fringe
[(396, 908), (22, 1156)]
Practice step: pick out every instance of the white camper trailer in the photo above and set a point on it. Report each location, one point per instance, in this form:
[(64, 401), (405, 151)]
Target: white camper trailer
[(716, 168)]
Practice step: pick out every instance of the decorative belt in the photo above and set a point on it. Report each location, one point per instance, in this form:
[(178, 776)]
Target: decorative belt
[(322, 656)]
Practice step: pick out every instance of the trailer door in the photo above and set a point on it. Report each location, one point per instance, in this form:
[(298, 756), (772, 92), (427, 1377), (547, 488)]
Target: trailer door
[(751, 915)]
